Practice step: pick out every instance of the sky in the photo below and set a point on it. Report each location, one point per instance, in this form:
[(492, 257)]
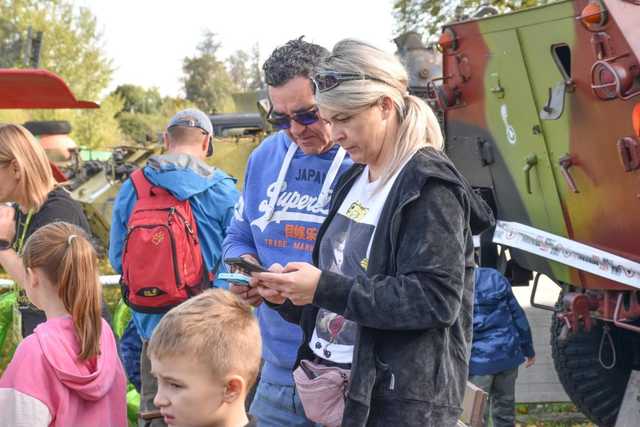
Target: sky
[(148, 40)]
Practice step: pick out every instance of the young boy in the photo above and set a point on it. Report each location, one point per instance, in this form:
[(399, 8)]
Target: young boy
[(205, 354), (501, 342)]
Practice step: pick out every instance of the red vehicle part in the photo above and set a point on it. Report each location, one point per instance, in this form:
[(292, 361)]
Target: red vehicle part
[(18, 86), (17, 89)]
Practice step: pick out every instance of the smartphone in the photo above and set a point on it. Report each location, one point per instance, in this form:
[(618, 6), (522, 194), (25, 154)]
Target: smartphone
[(245, 265), (235, 278)]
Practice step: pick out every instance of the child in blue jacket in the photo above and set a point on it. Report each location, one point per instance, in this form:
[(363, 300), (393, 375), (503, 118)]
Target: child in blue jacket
[(501, 342)]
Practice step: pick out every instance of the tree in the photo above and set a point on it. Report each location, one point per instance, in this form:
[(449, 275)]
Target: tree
[(71, 44), (428, 16), (72, 48), (239, 70), (137, 99), (256, 79), (97, 128), (206, 80)]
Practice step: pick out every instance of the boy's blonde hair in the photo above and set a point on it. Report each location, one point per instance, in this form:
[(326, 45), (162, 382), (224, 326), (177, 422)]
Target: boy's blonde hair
[(36, 177), (216, 329)]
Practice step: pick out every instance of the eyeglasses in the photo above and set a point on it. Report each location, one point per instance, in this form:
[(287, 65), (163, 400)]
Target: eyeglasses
[(328, 80), (305, 118)]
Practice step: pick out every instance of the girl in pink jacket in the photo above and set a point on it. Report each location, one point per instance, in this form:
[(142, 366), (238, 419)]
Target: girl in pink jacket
[(67, 373)]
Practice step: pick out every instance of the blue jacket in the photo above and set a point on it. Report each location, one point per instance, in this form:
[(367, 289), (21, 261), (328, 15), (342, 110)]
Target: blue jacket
[(212, 196), (501, 333), (287, 235)]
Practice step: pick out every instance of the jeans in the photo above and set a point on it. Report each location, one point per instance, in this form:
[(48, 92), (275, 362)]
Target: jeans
[(501, 405), (276, 405)]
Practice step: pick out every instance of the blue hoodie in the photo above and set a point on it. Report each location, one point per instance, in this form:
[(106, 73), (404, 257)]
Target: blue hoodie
[(501, 333), (281, 230), (212, 196)]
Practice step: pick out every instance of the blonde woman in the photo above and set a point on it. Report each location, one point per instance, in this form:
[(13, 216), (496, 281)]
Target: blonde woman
[(388, 304), (32, 200)]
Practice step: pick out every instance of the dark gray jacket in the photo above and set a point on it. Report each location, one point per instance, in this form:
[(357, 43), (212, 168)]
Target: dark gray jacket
[(414, 308)]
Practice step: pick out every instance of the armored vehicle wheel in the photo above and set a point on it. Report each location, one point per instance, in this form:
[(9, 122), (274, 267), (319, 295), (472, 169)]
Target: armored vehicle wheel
[(51, 127), (595, 390)]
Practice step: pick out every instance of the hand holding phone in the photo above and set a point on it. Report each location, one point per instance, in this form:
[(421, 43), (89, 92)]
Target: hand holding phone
[(244, 265), (235, 278)]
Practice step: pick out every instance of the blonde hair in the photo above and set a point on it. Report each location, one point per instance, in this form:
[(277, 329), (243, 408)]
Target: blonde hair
[(36, 178), (214, 328), (69, 261), (418, 125)]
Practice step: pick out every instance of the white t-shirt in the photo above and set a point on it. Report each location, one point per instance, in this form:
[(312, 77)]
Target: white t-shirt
[(345, 249)]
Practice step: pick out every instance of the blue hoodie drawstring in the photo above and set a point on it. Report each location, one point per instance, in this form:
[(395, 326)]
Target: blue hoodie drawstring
[(323, 197)]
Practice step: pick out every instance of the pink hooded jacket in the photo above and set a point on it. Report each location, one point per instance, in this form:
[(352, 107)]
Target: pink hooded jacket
[(47, 385)]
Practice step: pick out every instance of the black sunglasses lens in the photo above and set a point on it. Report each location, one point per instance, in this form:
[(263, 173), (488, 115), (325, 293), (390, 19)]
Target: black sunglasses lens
[(307, 118), (280, 122), (326, 82)]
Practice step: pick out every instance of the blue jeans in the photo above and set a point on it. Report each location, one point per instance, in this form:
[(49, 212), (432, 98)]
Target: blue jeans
[(276, 405)]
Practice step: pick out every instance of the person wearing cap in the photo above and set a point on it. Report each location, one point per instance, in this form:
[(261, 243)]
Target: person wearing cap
[(182, 171), (288, 183)]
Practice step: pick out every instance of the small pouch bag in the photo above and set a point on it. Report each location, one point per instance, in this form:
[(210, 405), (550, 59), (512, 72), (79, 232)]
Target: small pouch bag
[(322, 390)]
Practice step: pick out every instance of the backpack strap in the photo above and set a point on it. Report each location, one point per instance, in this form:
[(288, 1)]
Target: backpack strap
[(143, 187)]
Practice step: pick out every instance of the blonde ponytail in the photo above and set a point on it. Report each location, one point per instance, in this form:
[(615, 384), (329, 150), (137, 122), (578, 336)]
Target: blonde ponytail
[(69, 261)]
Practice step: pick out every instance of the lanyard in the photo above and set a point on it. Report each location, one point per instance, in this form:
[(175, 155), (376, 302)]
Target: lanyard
[(19, 245)]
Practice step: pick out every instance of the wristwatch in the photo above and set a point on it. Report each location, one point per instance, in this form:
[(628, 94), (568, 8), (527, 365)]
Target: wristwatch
[(5, 244)]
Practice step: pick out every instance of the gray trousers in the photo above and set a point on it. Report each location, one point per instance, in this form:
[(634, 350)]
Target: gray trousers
[(148, 390), (501, 405)]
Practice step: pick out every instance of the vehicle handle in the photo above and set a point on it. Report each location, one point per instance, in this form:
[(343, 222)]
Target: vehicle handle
[(629, 152), (565, 163), (531, 161)]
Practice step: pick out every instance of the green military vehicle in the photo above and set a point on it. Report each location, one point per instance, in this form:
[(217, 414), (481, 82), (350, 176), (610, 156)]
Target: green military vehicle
[(541, 113)]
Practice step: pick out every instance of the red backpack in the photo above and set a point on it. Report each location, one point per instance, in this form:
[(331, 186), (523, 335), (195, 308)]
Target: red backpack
[(162, 263)]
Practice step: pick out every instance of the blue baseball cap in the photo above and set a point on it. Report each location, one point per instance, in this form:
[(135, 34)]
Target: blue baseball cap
[(192, 118)]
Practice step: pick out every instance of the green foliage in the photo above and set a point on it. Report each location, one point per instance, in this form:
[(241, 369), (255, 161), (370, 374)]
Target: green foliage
[(239, 70), (138, 99), (206, 81), (71, 48), (98, 128), (428, 16), (255, 69), (135, 126), (71, 43), (91, 128), (140, 127)]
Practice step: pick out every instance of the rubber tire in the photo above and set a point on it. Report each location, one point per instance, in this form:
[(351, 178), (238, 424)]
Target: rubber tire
[(51, 127), (597, 392)]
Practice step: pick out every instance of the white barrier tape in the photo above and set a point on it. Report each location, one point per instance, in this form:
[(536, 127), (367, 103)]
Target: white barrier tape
[(107, 280), (569, 252)]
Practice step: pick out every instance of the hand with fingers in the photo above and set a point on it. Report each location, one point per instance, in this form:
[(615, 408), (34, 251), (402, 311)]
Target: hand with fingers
[(250, 293), (297, 282), (272, 295)]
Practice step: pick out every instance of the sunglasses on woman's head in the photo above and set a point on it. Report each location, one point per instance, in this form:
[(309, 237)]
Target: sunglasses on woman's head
[(328, 80), (305, 118)]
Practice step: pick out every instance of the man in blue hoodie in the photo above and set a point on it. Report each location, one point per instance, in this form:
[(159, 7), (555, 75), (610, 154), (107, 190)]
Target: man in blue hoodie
[(501, 342), (212, 196), (288, 183)]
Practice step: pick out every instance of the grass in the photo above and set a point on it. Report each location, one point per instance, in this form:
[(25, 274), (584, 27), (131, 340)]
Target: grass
[(561, 414)]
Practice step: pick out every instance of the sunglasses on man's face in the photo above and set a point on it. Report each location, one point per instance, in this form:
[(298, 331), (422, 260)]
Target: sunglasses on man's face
[(331, 79), (305, 118)]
